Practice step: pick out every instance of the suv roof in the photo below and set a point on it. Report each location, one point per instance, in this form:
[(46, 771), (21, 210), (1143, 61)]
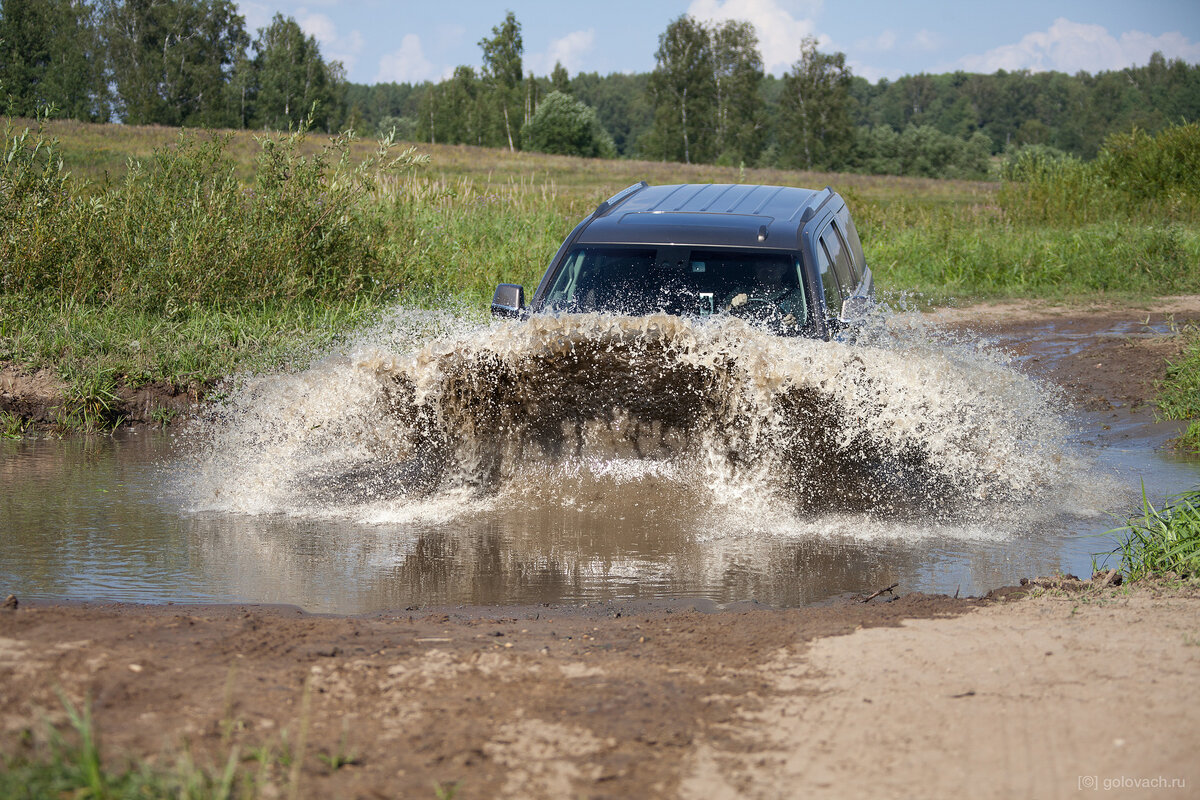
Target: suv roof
[(706, 214)]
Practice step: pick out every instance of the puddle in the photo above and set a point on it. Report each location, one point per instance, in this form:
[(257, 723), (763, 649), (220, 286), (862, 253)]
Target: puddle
[(589, 458)]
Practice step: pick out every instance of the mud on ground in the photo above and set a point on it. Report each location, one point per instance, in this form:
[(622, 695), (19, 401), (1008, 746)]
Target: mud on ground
[(921, 697), (1104, 355)]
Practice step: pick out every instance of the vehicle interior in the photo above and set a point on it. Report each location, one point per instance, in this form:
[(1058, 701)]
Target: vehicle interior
[(759, 285)]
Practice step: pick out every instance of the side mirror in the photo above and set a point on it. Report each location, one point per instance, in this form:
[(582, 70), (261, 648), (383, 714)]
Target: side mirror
[(855, 309), (508, 301)]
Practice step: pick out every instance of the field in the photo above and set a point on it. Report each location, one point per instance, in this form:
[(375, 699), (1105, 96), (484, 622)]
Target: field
[(145, 257)]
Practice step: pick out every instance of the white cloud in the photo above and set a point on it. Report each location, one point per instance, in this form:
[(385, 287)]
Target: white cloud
[(926, 40), (333, 46), (876, 44), (1073, 46), (569, 50), (258, 15), (779, 32), (406, 65)]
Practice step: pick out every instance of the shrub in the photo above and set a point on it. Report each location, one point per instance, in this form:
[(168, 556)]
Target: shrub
[(1144, 167), (1135, 176), (563, 125), (181, 229), (1046, 184), (921, 151)]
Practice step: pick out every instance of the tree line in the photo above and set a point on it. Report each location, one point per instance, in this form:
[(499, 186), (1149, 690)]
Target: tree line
[(708, 99), (168, 62)]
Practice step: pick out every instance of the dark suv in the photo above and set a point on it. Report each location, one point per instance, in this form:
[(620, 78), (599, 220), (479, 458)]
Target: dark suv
[(786, 258)]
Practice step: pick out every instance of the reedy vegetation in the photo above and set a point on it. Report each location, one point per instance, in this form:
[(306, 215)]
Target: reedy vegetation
[(1180, 392), (1162, 541)]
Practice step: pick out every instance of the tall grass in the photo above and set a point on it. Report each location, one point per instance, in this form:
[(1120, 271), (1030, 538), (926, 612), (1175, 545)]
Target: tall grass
[(182, 229), (1162, 540), (1179, 393)]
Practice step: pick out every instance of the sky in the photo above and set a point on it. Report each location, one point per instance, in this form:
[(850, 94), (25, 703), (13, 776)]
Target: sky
[(416, 41)]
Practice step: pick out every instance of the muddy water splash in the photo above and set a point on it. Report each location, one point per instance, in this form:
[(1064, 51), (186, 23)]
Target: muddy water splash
[(585, 409)]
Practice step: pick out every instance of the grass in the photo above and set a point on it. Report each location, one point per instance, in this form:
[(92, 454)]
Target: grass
[(69, 762), (142, 254), (1161, 541), (1179, 393), (73, 766)]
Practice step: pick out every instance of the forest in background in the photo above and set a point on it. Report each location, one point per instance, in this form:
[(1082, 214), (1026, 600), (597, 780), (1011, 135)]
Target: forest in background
[(192, 63)]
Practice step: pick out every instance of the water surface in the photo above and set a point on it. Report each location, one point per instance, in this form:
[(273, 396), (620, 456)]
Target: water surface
[(578, 463)]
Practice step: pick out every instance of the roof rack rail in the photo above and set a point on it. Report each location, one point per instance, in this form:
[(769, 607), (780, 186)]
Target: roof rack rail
[(618, 198), (812, 207)]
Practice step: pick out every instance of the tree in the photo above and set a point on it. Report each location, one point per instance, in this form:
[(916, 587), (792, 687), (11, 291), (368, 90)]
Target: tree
[(683, 91), (502, 71), (49, 55), (815, 129), (171, 62), (291, 77), (565, 126), (560, 81), (622, 104), (453, 112), (738, 73)]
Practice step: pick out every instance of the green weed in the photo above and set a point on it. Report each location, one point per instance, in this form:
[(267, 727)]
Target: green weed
[(343, 756), (1162, 540), (71, 763), (1179, 393), (12, 426)]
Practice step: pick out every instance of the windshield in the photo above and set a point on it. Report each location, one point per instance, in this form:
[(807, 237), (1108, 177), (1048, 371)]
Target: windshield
[(759, 285)]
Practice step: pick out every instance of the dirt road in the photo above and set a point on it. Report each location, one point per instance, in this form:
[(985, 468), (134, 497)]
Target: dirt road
[(921, 697), (1057, 695)]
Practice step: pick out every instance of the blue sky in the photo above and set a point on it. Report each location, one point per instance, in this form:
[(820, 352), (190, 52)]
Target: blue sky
[(414, 41)]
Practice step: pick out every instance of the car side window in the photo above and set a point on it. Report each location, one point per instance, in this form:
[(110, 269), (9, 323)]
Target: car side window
[(833, 297), (851, 268), (850, 233), (840, 257)]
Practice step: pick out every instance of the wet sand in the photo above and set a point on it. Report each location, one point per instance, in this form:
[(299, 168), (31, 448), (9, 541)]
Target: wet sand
[(1007, 696)]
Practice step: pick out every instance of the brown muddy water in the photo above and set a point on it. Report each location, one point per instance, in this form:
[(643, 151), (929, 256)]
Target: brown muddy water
[(440, 461)]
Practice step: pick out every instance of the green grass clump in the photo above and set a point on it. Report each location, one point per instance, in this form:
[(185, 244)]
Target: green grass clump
[(1179, 393), (72, 766), (1162, 540)]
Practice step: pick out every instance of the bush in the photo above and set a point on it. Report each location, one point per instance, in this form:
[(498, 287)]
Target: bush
[(181, 229), (1042, 183), (921, 151), (36, 202), (1146, 167), (1135, 176), (563, 125)]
